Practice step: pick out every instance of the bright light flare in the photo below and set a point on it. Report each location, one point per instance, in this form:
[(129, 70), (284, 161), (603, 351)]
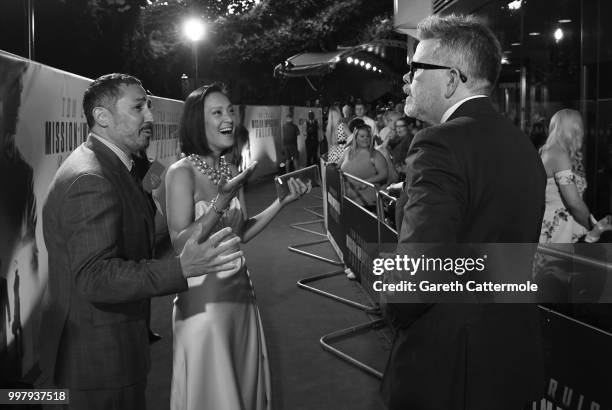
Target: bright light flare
[(515, 5), (558, 35), (194, 29)]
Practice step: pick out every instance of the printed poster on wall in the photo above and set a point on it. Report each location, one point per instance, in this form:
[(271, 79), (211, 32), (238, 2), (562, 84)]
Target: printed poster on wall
[(263, 125)]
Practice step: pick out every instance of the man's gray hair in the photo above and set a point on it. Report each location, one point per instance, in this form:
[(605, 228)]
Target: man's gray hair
[(468, 41)]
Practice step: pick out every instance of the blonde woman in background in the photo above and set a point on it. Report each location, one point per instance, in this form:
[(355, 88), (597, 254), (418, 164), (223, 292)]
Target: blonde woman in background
[(336, 134), (331, 130), (567, 217)]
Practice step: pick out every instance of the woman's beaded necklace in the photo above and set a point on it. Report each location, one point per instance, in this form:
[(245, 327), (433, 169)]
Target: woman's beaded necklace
[(218, 176)]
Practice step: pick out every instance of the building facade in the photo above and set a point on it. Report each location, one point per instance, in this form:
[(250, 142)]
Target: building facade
[(557, 54)]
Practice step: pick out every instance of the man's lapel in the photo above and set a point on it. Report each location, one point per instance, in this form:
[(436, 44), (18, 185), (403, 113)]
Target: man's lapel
[(111, 162)]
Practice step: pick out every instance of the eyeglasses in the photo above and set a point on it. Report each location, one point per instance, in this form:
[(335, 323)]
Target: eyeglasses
[(415, 65)]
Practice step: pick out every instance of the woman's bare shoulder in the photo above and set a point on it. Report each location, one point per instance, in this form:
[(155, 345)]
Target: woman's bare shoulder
[(377, 155), (557, 158), (181, 170)]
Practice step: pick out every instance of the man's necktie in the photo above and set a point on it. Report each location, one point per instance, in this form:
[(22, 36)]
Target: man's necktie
[(134, 174)]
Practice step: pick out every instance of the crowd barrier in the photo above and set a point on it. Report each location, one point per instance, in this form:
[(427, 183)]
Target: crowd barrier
[(577, 336)]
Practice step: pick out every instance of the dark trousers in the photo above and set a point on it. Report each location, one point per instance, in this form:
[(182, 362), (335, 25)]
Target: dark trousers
[(312, 151)]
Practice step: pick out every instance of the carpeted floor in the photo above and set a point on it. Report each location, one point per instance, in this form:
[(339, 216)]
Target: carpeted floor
[(304, 376)]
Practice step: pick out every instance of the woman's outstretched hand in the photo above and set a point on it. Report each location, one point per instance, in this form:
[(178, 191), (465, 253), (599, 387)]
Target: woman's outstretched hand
[(228, 190), (297, 189)]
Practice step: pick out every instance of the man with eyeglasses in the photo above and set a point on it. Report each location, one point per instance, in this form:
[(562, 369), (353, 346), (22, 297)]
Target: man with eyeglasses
[(472, 177)]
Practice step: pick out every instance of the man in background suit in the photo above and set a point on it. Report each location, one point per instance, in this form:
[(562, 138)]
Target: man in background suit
[(471, 178), (99, 233)]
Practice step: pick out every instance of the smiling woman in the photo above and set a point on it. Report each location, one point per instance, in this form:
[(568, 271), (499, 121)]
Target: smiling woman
[(220, 357)]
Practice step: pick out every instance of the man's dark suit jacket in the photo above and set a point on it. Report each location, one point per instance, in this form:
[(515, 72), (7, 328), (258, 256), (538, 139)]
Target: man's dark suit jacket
[(473, 179), (99, 235), (141, 167)]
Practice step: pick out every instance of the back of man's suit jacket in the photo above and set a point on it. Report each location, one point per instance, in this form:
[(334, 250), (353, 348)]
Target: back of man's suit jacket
[(474, 179), (99, 237)]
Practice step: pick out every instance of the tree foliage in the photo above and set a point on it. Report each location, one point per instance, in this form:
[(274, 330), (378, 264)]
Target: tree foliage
[(159, 52), (274, 30), (247, 38), (277, 29)]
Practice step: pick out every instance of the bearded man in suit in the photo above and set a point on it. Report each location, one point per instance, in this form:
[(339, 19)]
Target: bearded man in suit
[(99, 232), (472, 177)]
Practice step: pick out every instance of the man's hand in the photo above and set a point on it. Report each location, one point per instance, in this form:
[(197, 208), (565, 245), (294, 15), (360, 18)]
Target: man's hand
[(296, 190), (210, 256), (155, 183)]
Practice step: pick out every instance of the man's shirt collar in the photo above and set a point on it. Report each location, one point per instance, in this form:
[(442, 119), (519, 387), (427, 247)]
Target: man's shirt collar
[(454, 107), (125, 158)]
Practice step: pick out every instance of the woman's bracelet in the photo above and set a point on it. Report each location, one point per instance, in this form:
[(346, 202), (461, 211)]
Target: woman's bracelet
[(593, 220), (213, 205)]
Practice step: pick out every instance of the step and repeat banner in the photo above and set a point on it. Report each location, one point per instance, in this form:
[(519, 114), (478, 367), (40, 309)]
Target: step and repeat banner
[(259, 133), (264, 138), (41, 122)]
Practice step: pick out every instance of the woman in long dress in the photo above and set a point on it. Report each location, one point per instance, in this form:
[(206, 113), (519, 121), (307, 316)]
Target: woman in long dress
[(566, 216), (220, 358)]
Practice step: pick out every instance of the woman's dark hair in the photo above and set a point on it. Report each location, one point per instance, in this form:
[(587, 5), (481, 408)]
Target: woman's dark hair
[(192, 131)]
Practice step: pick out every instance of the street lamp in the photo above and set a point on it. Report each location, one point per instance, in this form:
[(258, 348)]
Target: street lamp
[(194, 30), (31, 29)]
